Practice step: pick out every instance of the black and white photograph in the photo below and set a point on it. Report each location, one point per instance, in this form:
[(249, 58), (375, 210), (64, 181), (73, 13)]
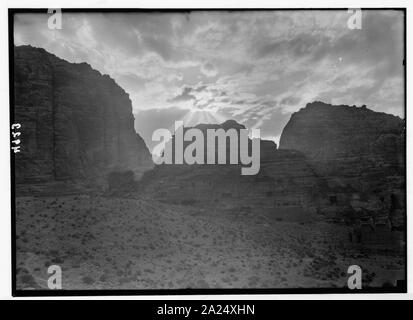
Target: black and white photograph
[(208, 151)]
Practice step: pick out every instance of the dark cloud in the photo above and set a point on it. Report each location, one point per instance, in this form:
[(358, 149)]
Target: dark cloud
[(184, 96), (163, 48), (290, 101), (301, 45), (209, 69), (201, 88)]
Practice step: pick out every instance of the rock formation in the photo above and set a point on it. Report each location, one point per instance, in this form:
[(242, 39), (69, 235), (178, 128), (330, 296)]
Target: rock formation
[(285, 186), (76, 123), (333, 160), (327, 133), (358, 151)]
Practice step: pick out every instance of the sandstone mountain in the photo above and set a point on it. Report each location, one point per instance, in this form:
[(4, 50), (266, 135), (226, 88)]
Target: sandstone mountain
[(286, 184), (351, 142), (327, 133), (333, 160), (75, 122), (78, 124), (360, 152)]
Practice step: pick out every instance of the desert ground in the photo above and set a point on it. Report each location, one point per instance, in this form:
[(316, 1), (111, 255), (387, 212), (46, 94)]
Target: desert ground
[(116, 243)]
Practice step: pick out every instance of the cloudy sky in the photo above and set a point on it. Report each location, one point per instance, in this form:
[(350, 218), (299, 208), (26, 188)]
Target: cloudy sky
[(254, 67)]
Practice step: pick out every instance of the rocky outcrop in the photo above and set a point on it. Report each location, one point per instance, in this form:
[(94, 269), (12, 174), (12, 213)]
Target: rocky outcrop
[(286, 185), (75, 122), (326, 133), (358, 151), (337, 161), (333, 137)]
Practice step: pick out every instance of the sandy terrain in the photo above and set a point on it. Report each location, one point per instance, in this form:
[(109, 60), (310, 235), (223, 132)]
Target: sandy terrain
[(112, 243)]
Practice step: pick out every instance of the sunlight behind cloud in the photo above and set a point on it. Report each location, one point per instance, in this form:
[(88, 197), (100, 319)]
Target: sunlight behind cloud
[(254, 67)]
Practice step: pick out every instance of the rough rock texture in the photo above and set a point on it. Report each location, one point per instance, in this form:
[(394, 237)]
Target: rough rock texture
[(346, 140), (327, 133), (76, 122), (359, 152), (337, 161)]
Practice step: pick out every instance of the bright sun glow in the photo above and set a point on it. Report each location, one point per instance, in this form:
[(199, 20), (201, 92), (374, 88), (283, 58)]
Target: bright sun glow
[(191, 119), (194, 117)]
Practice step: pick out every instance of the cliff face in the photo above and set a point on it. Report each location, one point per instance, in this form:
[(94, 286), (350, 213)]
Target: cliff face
[(76, 122), (333, 160), (325, 133), (355, 149)]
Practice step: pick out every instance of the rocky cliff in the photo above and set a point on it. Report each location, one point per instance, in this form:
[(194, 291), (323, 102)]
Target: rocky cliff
[(75, 122), (285, 186), (359, 152), (327, 132), (333, 135), (333, 160)]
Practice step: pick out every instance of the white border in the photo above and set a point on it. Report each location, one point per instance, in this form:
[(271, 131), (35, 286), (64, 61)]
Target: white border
[(5, 215)]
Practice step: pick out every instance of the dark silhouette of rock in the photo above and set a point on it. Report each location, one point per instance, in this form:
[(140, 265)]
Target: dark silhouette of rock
[(346, 141), (326, 133), (336, 161), (333, 160), (204, 127), (76, 122), (285, 186), (358, 151)]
